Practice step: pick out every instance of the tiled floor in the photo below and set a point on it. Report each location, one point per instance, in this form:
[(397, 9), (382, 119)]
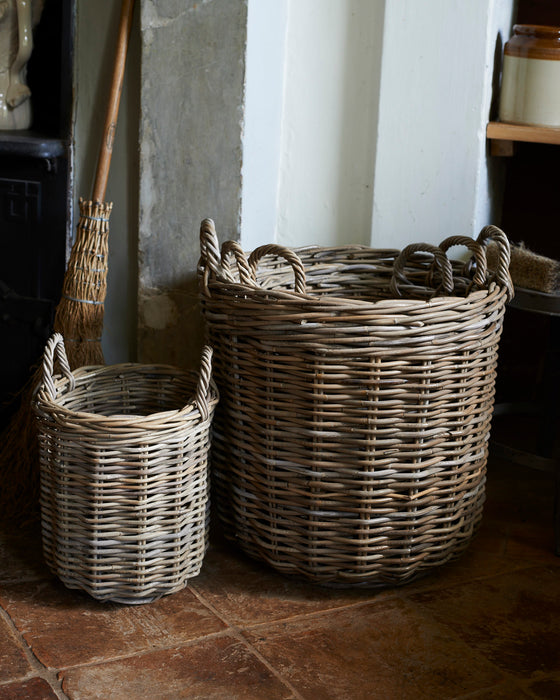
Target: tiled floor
[(486, 626)]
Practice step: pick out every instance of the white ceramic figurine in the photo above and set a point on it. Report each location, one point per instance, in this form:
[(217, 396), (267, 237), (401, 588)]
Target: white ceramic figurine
[(17, 19)]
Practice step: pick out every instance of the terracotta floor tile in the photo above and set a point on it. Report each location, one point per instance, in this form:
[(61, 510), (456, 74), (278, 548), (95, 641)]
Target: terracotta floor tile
[(221, 668), (32, 689), (473, 564), (248, 592), (66, 627), (483, 627), (547, 688), (481, 561), (13, 660), (507, 690), (380, 650), (512, 619)]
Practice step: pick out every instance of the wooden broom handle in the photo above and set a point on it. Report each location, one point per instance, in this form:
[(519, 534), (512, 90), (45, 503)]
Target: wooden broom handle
[(106, 151)]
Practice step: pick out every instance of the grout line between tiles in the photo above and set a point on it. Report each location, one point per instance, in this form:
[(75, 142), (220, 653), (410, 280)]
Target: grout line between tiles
[(398, 592), (143, 652), (403, 592), (387, 594), (239, 636), (316, 614), (38, 670)]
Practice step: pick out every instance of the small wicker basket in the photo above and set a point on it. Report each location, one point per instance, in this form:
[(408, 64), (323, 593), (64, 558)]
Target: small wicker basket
[(357, 391), (124, 475)]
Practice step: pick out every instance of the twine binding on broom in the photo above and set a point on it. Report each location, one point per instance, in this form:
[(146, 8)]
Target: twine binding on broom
[(81, 309)]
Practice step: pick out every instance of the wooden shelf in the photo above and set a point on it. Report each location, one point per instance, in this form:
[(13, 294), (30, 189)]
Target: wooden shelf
[(503, 136)]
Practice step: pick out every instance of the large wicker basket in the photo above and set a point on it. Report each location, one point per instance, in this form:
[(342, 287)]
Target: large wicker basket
[(124, 475), (357, 391)]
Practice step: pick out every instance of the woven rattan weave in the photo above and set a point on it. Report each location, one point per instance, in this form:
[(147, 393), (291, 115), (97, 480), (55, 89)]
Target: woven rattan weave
[(124, 475), (357, 389)]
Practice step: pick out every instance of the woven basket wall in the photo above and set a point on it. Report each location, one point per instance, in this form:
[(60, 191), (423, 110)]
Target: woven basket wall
[(357, 390), (124, 475)]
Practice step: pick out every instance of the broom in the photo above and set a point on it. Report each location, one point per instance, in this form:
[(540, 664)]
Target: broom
[(79, 314)]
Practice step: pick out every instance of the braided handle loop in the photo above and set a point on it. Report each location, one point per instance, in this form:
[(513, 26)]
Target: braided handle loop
[(289, 255), (246, 275), (440, 259), (494, 234), (203, 386), (209, 261), (55, 344), (477, 262)]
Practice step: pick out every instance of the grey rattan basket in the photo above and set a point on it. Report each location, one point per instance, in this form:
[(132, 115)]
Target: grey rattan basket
[(124, 475), (357, 390)]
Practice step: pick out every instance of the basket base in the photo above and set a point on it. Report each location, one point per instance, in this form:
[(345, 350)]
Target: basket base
[(342, 580), (125, 598)]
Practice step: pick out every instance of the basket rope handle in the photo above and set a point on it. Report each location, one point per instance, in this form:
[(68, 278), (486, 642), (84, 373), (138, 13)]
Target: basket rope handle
[(246, 275), (55, 344), (289, 255), (203, 386), (209, 252), (494, 234), (440, 259), (478, 255)]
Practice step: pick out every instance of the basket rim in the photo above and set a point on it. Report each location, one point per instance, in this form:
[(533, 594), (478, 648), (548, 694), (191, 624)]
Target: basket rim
[(456, 278), (42, 401), (339, 303)]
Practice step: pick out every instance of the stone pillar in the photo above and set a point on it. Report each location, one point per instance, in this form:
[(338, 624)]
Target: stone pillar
[(192, 91)]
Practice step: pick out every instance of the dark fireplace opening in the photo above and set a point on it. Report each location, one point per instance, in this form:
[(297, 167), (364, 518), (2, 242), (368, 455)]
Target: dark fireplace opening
[(32, 244), (35, 205)]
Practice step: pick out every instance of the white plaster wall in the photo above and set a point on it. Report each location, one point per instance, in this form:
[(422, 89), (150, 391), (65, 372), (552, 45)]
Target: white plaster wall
[(384, 109), (315, 64), (264, 94), (431, 174)]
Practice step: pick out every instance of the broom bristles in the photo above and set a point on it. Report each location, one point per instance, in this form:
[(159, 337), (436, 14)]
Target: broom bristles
[(79, 318), (81, 329), (79, 315)]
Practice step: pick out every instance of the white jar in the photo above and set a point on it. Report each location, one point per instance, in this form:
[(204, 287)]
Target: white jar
[(530, 92)]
